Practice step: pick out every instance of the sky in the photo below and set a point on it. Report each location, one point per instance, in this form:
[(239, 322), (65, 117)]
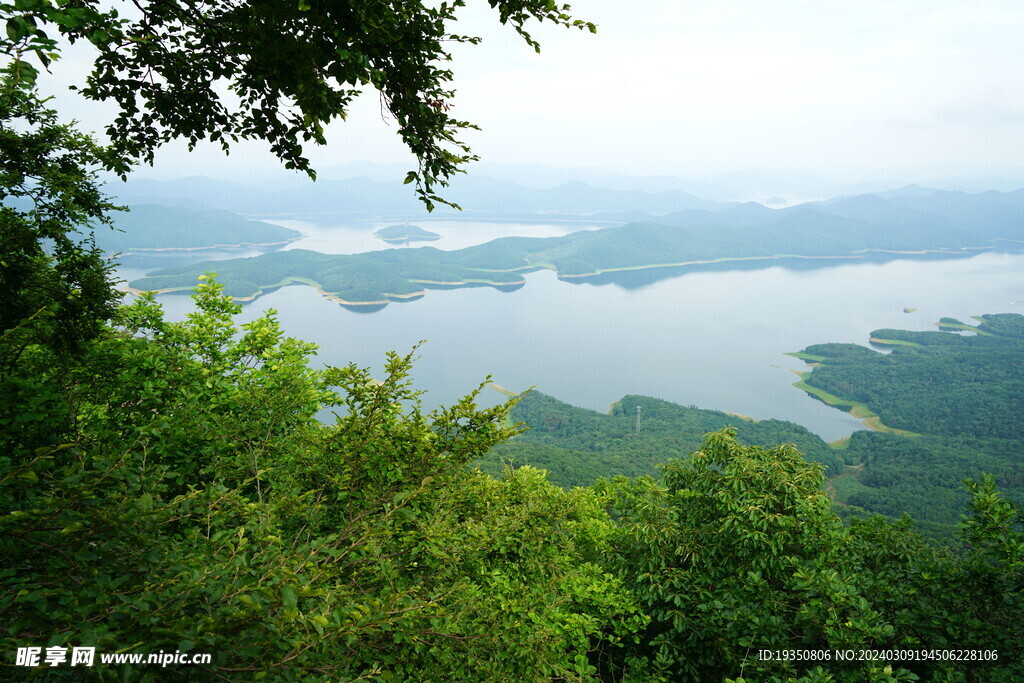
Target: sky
[(685, 88)]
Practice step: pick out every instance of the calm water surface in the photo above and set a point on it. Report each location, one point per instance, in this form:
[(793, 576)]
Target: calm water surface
[(710, 339)]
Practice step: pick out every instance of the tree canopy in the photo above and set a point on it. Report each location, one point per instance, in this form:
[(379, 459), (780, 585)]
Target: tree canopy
[(48, 187), (268, 70)]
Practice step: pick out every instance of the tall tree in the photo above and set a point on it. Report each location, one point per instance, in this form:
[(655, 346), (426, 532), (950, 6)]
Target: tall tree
[(48, 188)]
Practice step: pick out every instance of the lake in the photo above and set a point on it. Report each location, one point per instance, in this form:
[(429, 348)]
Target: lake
[(713, 339)]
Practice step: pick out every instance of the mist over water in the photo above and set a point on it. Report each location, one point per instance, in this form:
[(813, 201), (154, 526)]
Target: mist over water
[(711, 339)]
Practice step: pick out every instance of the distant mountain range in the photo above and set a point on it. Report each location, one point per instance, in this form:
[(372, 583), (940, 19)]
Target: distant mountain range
[(905, 208), (513, 190), (759, 184), (331, 199)]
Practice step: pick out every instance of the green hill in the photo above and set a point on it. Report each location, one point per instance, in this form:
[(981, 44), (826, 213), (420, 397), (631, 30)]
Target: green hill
[(368, 278), (577, 446)]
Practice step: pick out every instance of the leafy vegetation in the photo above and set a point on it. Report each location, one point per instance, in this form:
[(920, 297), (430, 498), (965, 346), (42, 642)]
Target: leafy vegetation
[(737, 551), (190, 500), (47, 188), (167, 486), (170, 487)]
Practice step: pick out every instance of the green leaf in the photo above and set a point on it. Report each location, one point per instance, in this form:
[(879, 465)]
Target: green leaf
[(289, 598), (14, 26)]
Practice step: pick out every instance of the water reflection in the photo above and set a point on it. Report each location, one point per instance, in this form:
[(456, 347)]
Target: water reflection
[(637, 279)]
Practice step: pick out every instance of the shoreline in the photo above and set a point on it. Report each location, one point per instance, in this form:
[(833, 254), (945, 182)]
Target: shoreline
[(333, 296), (387, 297), (892, 342), (464, 283), (861, 411), (964, 327), (244, 245)]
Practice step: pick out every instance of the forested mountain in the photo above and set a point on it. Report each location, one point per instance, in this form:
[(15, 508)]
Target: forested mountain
[(577, 446), (742, 235), (150, 227)]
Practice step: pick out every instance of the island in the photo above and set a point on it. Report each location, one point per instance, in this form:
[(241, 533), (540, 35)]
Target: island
[(353, 280), (403, 234)]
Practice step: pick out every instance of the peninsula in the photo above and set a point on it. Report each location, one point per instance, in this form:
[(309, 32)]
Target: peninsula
[(956, 392)]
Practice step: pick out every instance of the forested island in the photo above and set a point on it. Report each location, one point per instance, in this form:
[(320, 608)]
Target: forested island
[(942, 224), (403, 234), (375, 277), (152, 227)]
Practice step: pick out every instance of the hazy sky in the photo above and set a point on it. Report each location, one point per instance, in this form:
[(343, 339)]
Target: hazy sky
[(682, 87)]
